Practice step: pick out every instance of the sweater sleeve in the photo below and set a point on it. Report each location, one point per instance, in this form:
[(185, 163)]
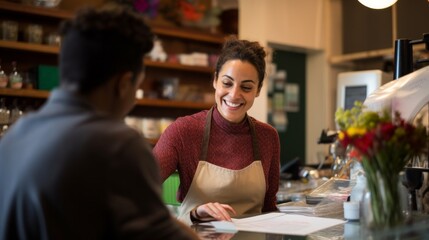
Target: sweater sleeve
[(166, 151), (273, 178)]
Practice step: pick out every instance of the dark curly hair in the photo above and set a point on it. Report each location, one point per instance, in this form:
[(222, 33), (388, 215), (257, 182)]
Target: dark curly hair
[(246, 51), (100, 43)]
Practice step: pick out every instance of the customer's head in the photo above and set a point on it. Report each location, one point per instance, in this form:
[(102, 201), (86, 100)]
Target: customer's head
[(240, 71), (99, 44)]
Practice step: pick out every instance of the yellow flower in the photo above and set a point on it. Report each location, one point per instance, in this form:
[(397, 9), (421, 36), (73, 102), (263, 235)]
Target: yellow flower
[(355, 131), (341, 135), (385, 146)]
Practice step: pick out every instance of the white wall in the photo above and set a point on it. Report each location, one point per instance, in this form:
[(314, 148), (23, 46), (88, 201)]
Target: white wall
[(297, 23), (321, 81), (294, 23), (303, 26), (317, 106), (252, 22)]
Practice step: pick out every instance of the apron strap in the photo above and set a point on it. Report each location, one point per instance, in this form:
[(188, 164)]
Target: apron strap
[(256, 153), (206, 137)]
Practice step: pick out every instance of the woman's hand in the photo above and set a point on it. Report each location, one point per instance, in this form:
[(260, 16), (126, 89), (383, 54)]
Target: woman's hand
[(210, 211)]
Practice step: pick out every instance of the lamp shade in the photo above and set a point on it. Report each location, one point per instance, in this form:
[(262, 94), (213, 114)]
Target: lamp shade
[(377, 4)]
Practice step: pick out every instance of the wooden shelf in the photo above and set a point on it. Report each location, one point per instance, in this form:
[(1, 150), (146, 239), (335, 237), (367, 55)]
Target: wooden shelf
[(387, 53), (30, 93), (30, 47), (145, 102), (201, 39), (33, 10), (173, 104), (188, 34), (177, 66), (191, 34), (361, 56)]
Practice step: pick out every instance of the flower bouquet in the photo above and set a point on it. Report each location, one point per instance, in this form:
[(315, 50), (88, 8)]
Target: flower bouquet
[(385, 144)]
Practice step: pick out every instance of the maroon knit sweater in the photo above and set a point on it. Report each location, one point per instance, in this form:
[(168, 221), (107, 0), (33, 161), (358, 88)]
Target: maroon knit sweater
[(230, 146)]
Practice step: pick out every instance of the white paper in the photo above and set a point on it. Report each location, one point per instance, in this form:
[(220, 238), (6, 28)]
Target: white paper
[(287, 224), (296, 209), (224, 226)]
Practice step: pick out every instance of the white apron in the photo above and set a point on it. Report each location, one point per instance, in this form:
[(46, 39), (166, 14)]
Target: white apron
[(243, 189)]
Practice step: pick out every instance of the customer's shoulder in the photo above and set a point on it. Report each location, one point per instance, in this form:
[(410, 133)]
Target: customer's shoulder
[(93, 129), (112, 137), (110, 128)]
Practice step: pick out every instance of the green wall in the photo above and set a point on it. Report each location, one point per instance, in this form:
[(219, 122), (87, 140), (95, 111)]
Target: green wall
[(293, 139)]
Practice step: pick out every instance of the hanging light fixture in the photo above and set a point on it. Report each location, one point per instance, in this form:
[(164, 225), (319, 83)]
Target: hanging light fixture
[(377, 4)]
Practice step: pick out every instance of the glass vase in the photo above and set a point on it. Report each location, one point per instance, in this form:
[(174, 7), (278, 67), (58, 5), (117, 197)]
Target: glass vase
[(384, 204)]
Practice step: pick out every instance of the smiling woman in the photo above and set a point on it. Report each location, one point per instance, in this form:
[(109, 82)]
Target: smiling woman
[(213, 187), (236, 89), (239, 74)]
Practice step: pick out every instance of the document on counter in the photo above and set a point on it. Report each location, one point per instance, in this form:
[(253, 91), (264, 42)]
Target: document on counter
[(287, 224)]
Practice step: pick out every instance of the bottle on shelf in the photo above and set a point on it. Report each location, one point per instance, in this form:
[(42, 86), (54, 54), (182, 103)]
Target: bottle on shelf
[(3, 78), (3, 130), (15, 78), (4, 112), (15, 112), (27, 82)]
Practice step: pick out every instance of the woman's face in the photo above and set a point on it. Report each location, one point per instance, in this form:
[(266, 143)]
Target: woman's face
[(236, 88)]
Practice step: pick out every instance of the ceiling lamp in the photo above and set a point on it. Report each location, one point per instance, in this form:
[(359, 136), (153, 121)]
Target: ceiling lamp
[(377, 4)]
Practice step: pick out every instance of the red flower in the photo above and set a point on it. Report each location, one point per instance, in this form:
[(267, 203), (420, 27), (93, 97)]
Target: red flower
[(364, 143), (192, 11), (387, 130)]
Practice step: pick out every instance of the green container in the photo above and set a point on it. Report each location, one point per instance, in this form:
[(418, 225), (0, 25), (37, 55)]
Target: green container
[(47, 77), (169, 187)]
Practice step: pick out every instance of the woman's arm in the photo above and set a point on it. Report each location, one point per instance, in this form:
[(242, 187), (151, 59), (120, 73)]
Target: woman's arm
[(166, 151), (270, 203)]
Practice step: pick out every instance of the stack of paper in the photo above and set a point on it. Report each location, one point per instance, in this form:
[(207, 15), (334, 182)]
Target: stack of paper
[(281, 223), (325, 208)]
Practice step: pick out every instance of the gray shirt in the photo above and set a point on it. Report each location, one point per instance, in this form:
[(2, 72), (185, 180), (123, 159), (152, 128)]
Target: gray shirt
[(67, 172)]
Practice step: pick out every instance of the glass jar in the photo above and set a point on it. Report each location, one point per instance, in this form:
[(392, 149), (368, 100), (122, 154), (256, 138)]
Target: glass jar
[(46, 3), (34, 33), (4, 112), (3, 78), (384, 205), (53, 39), (9, 30), (15, 112), (15, 78)]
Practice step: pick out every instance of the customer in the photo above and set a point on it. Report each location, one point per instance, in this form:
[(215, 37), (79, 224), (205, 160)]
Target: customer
[(228, 162), (74, 170)]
